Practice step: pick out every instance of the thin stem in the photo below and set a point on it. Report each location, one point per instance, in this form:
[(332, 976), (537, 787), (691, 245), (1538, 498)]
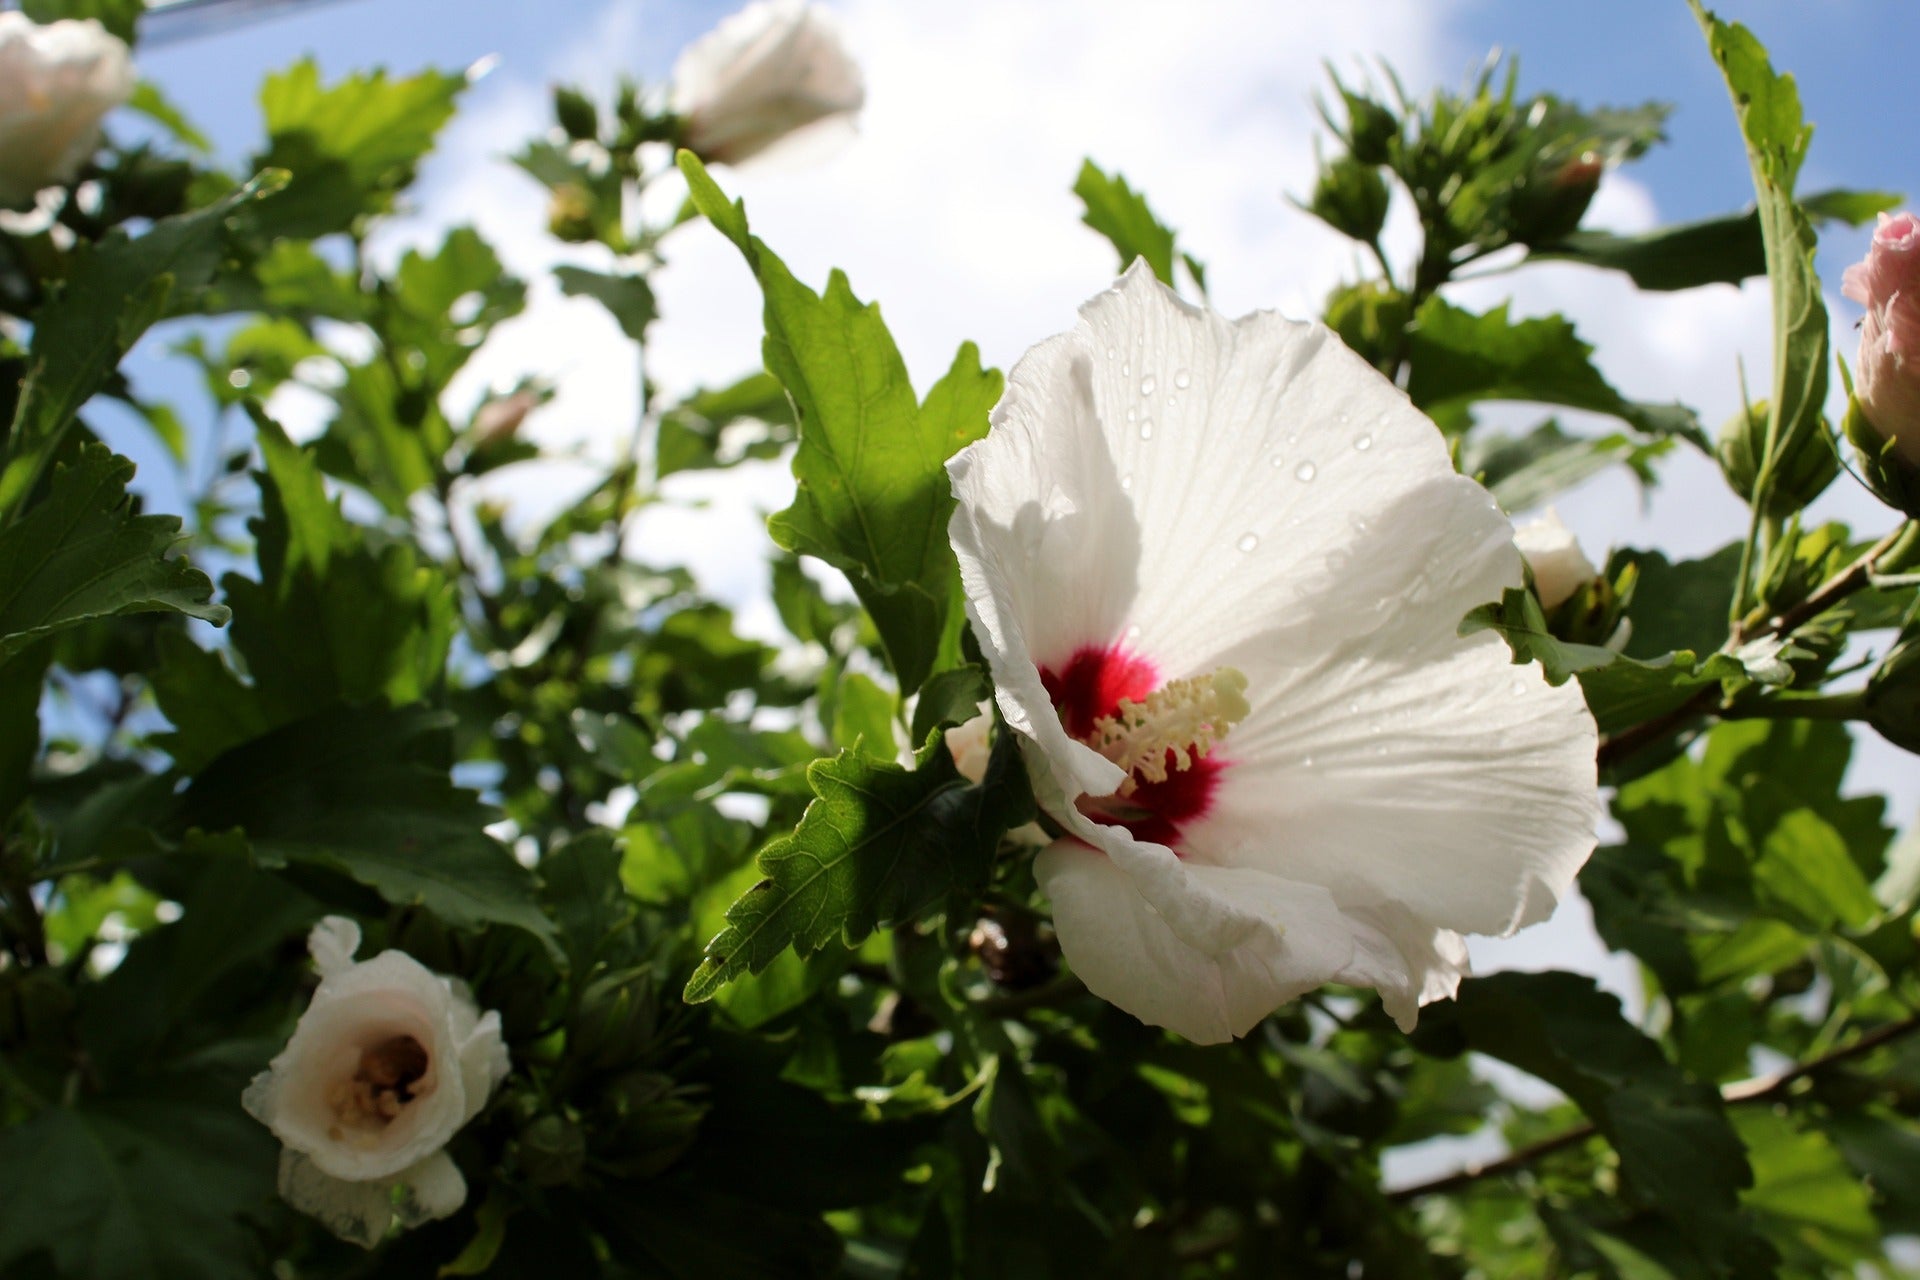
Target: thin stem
[(1814, 706), (1062, 990), (1758, 1089)]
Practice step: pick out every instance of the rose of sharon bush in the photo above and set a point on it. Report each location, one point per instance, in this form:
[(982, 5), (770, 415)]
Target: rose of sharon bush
[(1217, 568), (56, 83), (765, 74), (387, 1063), (1559, 566), (1887, 377)]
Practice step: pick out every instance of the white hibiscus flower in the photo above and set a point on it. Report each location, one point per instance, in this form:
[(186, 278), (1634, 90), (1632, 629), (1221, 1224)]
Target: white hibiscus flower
[(767, 75), (1217, 568), (388, 1062), (56, 84)]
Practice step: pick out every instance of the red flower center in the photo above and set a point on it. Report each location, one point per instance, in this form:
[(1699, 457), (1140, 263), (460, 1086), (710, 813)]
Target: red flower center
[(1088, 689)]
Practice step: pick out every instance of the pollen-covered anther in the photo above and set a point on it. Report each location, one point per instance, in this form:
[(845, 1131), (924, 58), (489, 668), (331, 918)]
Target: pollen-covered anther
[(1182, 721)]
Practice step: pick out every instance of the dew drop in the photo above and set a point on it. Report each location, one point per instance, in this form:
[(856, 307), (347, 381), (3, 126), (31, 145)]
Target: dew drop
[(1353, 708), (1293, 437), (1126, 482), (1183, 379), (1277, 461), (1132, 414), (1111, 353), (1126, 368), (1364, 443), (1147, 384), (1518, 689), (1146, 428), (1305, 472), (1344, 419), (1248, 541), (1133, 633)]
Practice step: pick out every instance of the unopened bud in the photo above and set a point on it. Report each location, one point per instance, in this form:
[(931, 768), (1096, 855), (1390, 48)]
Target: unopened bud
[(1559, 566)]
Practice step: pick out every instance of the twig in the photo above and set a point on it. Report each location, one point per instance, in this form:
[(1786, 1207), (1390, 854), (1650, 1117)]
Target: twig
[(1616, 747), (1758, 1089)]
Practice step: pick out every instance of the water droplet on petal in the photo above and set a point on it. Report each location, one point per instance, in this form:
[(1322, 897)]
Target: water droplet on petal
[(1248, 541), (1305, 472), (1126, 368), (1132, 413), (1278, 460), (1126, 482), (1293, 437), (1146, 428), (1111, 353), (1147, 384), (1133, 633), (1364, 443), (1518, 689), (1183, 379), (1344, 419)]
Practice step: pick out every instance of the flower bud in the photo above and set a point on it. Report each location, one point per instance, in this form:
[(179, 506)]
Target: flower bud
[(500, 419), (1559, 566), (1550, 204), (1806, 466), (386, 1064), (1352, 198), (56, 84), (1371, 128), (1893, 694), (1887, 374), (570, 214), (970, 746), (1371, 318), (575, 113), (768, 72)]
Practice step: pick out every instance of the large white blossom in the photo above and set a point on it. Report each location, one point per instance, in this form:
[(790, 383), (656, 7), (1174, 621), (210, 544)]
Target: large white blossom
[(387, 1063), (1217, 568), (769, 73), (56, 83)]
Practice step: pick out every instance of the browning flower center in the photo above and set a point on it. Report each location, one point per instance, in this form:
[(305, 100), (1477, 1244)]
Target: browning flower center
[(381, 1086), (1162, 734)]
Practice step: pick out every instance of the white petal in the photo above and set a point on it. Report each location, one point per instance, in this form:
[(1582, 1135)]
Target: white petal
[(356, 1211), (1127, 954), (1443, 778), (429, 1190), (332, 944)]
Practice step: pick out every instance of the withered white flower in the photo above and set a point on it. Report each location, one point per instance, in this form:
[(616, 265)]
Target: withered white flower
[(56, 83), (767, 74), (1217, 568), (387, 1063)]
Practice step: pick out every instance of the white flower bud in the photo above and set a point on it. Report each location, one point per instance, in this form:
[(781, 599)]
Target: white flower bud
[(969, 746), (56, 83), (387, 1063), (1559, 567), (771, 70)]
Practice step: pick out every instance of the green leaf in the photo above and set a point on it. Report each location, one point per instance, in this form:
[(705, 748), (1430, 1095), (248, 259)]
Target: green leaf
[(878, 845), (1679, 1157), (366, 792), (1120, 214), (1808, 1200), (950, 698), (1621, 691), (1712, 251), (331, 620), (1459, 359), (1805, 865), (1768, 106), (139, 1186), (118, 16), (872, 497), (349, 146), (150, 102), (1678, 604), (117, 289), (629, 299), (757, 410), (84, 553), (1523, 472)]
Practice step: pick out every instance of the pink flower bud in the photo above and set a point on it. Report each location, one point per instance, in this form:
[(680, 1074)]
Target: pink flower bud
[(1887, 374)]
